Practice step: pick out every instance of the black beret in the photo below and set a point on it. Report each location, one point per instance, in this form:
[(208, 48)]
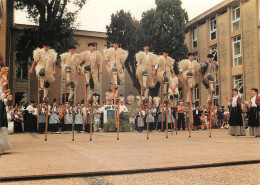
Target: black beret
[(210, 56), (91, 44), (189, 54)]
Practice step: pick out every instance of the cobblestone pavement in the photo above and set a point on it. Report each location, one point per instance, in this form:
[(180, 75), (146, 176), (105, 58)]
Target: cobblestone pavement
[(230, 175), (32, 156)]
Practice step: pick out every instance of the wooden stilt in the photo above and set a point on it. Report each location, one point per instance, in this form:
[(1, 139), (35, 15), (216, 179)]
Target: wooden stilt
[(147, 118), (65, 94), (162, 98), (190, 118), (167, 112), (118, 109), (86, 105), (176, 125), (171, 123), (38, 112), (73, 121), (114, 93), (91, 121), (47, 120), (141, 104), (211, 105)]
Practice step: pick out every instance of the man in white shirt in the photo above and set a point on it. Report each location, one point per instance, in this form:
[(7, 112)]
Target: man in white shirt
[(30, 123)]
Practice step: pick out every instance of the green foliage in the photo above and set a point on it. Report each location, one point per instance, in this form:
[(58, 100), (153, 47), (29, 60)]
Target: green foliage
[(109, 125), (55, 25)]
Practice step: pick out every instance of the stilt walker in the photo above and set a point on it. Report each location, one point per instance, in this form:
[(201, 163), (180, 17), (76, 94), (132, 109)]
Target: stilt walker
[(188, 69), (208, 73), (91, 68), (115, 58), (163, 69), (45, 67)]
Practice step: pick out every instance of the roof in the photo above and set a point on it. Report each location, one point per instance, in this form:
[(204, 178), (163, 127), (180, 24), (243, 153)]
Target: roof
[(76, 32), (211, 12)]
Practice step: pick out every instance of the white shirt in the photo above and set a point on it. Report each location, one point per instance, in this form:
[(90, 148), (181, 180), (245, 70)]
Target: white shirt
[(234, 101), (253, 102), (123, 108), (30, 108)]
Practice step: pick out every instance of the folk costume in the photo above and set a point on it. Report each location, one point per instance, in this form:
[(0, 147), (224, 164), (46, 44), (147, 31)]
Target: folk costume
[(44, 68), (144, 71), (173, 90), (130, 99), (5, 143), (42, 118), (253, 116), (236, 127), (209, 69), (91, 62), (188, 69), (54, 119), (163, 68), (78, 119), (70, 63), (68, 119), (109, 97), (116, 58)]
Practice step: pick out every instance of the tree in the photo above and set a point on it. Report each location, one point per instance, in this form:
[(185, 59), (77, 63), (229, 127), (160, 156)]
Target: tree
[(124, 29), (165, 27), (55, 24)]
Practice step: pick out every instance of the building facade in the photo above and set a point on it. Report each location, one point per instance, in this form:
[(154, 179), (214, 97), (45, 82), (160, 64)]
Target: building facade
[(231, 32)]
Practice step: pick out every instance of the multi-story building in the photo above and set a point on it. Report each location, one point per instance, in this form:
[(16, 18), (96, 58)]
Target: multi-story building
[(230, 31)]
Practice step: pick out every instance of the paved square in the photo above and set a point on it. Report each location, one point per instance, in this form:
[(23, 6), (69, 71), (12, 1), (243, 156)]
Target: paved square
[(32, 156)]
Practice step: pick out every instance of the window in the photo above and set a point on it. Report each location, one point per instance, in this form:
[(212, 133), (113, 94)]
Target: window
[(245, 1), (235, 14), (194, 37), (22, 71), (214, 52), (180, 94), (213, 28), (238, 84), (237, 56), (197, 95), (21, 97)]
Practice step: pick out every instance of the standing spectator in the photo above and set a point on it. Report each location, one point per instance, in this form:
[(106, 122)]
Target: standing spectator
[(226, 119), (78, 118), (54, 118), (29, 125), (181, 119), (67, 127), (42, 118), (220, 116), (236, 127), (196, 118), (17, 121), (10, 120)]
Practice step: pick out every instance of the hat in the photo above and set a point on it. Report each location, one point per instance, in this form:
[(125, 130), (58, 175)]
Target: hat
[(46, 43), (110, 90), (146, 44), (189, 54), (116, 41), (210, 56), (91, 44), (234, 90), (165, 50), (72, 47)]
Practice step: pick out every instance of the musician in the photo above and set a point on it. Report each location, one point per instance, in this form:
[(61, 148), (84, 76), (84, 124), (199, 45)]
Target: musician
[(208, 72), (236, 127)]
